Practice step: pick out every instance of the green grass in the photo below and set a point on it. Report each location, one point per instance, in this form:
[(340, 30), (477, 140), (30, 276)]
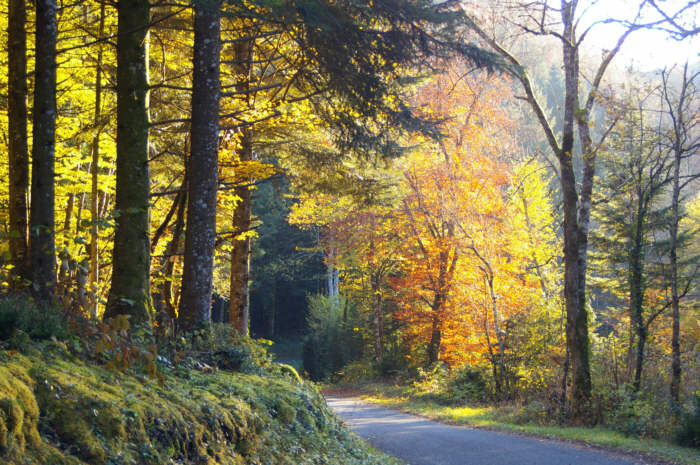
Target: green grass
[(496, 418)]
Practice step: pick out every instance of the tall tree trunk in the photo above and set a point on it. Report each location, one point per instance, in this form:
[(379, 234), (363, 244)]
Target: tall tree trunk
[(195, 301), (17, 127), (93, 278), (575, 229), (130, 290), (42, 247), (239, 295)]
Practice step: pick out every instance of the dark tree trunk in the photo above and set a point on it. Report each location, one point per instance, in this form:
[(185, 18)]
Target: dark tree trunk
[(575, 229), (42, 247), (239, 298), (94, 275), (17, 127), (130, 292), (195, 301)]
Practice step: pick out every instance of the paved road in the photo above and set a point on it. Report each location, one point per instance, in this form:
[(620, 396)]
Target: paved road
[(419, 441)]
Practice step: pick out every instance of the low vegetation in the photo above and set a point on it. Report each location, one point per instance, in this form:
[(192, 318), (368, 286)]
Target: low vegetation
[(62, 403)]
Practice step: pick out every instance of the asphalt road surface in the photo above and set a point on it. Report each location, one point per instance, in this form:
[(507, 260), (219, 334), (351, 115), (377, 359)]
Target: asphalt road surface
[(419, 441)]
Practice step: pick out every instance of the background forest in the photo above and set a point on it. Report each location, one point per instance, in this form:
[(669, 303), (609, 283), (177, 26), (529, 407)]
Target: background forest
[(465, 199)]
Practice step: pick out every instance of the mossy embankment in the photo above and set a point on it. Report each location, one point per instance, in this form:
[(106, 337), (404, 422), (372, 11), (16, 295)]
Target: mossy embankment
[(56, 408)]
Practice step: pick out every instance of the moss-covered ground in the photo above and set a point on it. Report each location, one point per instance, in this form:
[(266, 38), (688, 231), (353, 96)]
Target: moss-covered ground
[(58, 409)]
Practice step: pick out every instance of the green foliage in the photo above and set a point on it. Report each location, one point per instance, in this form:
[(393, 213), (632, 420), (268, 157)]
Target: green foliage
[(688, 433), (468, 385), (640, 415), (330, 344), (432, 381), (286, 261), (39, 321), (456, 387), (535, 412), (358, 371)]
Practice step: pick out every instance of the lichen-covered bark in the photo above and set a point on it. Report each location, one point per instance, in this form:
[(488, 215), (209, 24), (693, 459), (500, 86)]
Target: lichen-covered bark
[(195, 301), (42, 248), (130, 290), (17, 128), (575, 237)]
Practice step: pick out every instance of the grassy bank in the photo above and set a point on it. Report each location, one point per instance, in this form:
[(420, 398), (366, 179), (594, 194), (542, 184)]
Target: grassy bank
[(511, 419), (57, 408)]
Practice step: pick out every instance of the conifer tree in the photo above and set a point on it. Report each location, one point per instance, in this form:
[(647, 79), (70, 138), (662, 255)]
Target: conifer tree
[(42, 249), (195, 303), (130, 292), (18, 153)]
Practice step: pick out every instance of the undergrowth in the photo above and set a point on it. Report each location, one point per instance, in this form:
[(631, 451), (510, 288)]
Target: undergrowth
[(69, 399)]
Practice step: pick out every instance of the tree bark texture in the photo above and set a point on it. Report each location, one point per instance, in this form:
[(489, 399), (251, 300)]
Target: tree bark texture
[(17, 127), (239, 294), (130, 289), (94, 275), (42, 247), (575, 227), (200, 235)]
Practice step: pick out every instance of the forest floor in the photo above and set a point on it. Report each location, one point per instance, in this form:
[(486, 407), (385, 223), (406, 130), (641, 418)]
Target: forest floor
[(59, 407), (638, 450)]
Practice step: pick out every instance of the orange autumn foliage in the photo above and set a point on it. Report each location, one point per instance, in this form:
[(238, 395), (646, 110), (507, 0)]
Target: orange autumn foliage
[(463, 271)]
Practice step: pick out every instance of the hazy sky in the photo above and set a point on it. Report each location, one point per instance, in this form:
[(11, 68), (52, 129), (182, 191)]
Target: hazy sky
[(648, 49)]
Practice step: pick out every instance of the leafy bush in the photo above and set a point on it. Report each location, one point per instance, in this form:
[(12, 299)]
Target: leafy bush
[(688, 433), (20, 314), (330, 343), (535, 412), (468, 385), (220, 346), (432, 382), (638, 415), (355, 372)]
